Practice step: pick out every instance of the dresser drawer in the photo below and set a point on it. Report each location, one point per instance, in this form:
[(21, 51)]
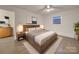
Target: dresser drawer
[(6, 31)]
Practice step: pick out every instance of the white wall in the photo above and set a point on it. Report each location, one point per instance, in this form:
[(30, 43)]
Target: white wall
[(11, 15), (23, 16), (69, 17)]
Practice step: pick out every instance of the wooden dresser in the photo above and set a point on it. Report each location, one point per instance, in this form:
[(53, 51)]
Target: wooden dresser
[(6, 32)]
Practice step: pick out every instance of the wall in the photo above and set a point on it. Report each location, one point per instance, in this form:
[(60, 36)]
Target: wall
[(23, 16), (11, 15), (69, 17)]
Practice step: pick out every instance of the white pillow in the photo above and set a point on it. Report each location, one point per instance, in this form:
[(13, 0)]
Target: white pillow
[(38, 28), (31, 29)]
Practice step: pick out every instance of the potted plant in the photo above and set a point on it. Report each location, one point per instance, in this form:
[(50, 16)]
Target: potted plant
[(77, 28)]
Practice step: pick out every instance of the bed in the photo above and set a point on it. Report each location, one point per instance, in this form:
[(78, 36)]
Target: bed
[(41, 39)]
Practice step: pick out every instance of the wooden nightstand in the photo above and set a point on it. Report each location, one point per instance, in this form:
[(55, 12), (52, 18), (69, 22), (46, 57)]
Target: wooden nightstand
[(21, 36)]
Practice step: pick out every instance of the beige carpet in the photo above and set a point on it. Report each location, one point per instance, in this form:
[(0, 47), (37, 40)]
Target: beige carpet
[(51, 50), (68, 46)]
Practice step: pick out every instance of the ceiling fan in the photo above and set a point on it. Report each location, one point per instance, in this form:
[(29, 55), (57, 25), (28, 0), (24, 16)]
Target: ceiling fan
[(48, 8)]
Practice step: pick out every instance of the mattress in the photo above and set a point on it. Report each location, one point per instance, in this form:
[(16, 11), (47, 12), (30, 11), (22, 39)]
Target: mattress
[(42, 38)]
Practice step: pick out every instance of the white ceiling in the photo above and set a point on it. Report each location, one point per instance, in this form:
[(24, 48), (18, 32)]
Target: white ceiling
[(38, 8)]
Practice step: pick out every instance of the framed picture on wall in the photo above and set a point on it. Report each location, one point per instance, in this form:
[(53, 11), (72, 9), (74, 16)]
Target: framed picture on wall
[(4, 22), (34, 20), (56, 19)]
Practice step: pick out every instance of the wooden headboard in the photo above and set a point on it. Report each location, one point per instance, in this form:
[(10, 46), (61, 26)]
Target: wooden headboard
[(25, 27)]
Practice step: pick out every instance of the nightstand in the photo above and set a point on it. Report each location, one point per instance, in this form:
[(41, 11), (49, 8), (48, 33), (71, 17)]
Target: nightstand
[(21, 36)]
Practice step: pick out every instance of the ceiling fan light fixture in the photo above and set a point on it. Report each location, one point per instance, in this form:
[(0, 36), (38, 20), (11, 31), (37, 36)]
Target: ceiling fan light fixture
[(48, 8)]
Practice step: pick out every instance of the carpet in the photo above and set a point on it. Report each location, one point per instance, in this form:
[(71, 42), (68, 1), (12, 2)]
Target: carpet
[(68, 46), (51, 50)]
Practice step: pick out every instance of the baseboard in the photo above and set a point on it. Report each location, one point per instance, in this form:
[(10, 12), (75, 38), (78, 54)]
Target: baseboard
[(6, 36), (66, 36)]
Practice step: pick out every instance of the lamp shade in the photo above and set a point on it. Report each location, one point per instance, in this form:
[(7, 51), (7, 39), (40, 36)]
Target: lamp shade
[(42, 26), (20, 28)]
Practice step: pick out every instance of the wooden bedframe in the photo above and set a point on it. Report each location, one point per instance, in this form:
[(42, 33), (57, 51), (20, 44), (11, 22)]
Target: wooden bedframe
[(25, 27), (41, 49)]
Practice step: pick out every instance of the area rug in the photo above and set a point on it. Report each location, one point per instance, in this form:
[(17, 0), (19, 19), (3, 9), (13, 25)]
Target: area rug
[(51, 50)]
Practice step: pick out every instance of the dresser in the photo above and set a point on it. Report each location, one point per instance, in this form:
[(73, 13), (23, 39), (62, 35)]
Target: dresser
[(6, 32)]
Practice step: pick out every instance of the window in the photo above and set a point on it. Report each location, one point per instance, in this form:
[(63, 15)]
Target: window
[(56, 19), (34, 20)]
